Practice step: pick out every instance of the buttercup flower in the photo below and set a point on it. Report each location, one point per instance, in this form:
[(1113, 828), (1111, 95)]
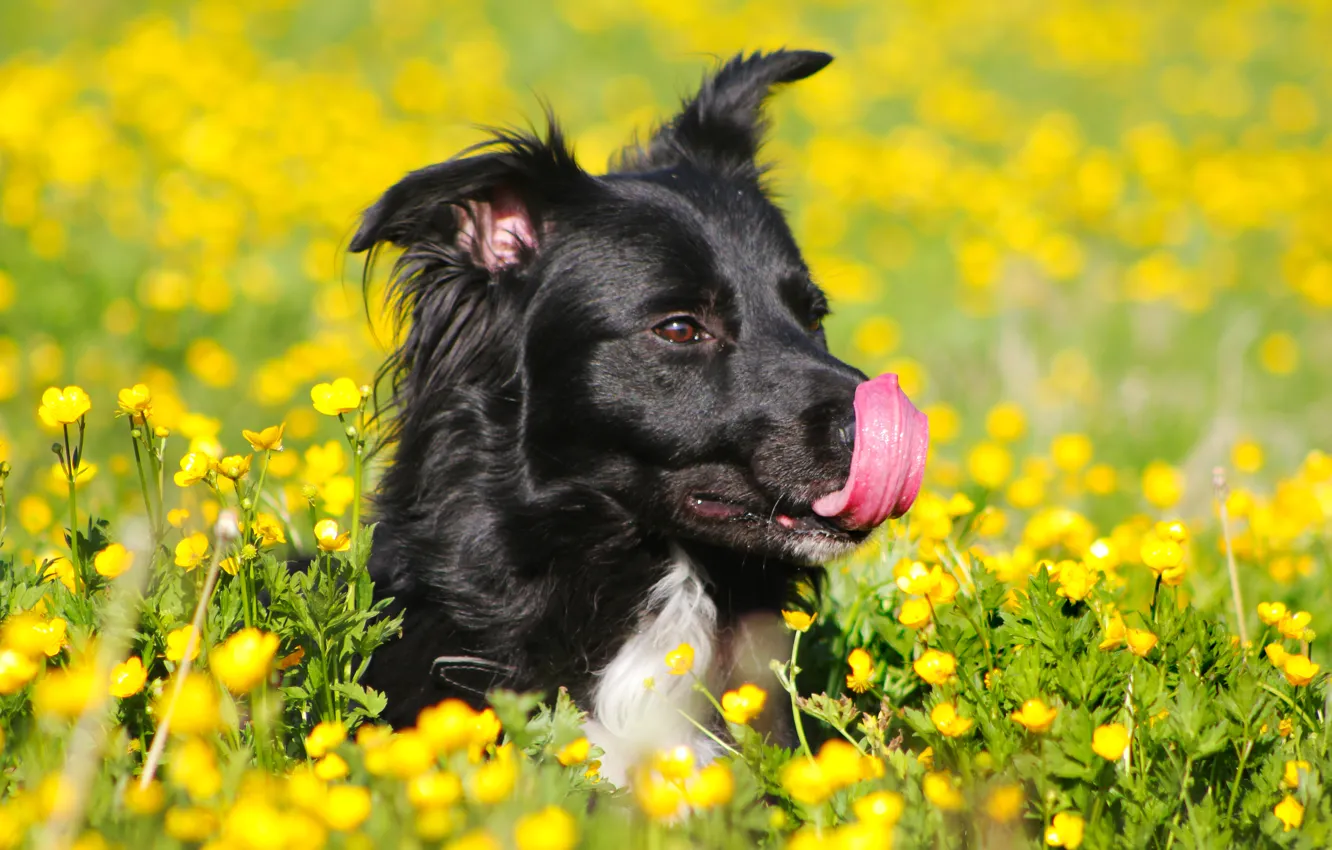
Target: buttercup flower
[(16, 670), (551, 828), (494, 780), (862, 667), (1293, 626), (331, 767), (574, 752), (1290, 776), (917, 579), (242, 661), (324, 737), (1271, 613), (128, 677), (63, 407), (196, 711), (915, 613), (113, 561), (680, 660), (658, 797), (711, 787), (1299, 670), (1035, 715), (176, 517), (192, 551), (1140, 642), (34, 635), (341, 396), (743, 704), (135, 402), (178, 640), (267, 440), (1076, 581), (1276, 653), (940, 788), (798, 620), (950, 724), (880, 807), (329, 538), (935, 667), (346, 807), (1110, 741), (267, 530), (234, 467), (194, 467), (1065, 830), (1115, 633), (1290, 812), (1004, 803), (674, 763)]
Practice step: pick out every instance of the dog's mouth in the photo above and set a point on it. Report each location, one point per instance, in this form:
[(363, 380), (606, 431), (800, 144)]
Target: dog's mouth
[(787, 518)]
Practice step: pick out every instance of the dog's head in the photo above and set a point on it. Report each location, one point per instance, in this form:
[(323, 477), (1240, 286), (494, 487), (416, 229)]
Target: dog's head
[(651, 334)]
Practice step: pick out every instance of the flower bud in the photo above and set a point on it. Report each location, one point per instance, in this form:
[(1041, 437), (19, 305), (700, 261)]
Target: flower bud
[(246, 504), (136, 433), (351, 431), (4, 469), (161, 431), (309, 492)]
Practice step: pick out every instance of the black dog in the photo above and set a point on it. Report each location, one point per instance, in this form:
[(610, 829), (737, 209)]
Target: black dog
[(614, 407)]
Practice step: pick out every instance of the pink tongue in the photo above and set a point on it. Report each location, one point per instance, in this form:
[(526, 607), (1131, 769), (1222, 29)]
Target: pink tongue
[(888, 462)]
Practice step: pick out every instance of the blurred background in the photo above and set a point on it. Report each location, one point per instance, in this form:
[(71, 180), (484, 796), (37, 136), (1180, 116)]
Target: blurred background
[(1094, 238)]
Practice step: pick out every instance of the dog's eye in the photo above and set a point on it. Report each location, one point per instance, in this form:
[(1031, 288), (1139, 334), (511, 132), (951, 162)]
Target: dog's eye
[(681, 330)]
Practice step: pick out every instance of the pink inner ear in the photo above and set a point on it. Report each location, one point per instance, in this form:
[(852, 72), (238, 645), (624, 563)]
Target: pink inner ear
[(497, 231)]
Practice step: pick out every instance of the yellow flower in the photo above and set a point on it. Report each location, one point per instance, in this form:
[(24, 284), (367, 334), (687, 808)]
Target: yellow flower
[(194, 467), (475, 839), (145, 800), (743, 704), (178, 640), (935, 667), (918, 579), (989, 465), (680, 660), (331, 767), (1140, 642), (1271, 613), (1290, 812), (841, 763), (409, 753), (67, 692), (63, 407), (113, 561), (192, 551), (196, 711), (267, 530), (341, 396), (267, 440), (176, 517), (34, 635), (711, 787), (16, 670), (136, 401), (346, 807), (242, 661), (1035, 715), (1293, 626), (1286, 727), (862, 667), (234, 467), (1004, 803), (1065, 830), (434, 790), (574, 752), (1162, 484), (803, 779), (1110, 741), (944, 591), (194, 768), (950, 724), (798, 620), (59, 568), (1115, 632), (657, 796), (915, 613), (325, 736), (674, 763), (128, 677), (880, 807), (1290, 777), (192, 824), (494, 780), (1076, 581), (1276, 653), (1299, 670), (551, 828), (449, 725), (940, 788), (329, 539)]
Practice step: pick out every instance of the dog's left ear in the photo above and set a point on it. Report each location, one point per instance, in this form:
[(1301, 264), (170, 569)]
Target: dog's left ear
[(722, 126), (491, 207)]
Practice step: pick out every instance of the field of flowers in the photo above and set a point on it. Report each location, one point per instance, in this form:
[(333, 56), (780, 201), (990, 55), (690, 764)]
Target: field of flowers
[(1094, 240)]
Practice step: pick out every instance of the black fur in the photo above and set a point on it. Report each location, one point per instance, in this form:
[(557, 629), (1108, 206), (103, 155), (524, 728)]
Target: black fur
[(550, 446)]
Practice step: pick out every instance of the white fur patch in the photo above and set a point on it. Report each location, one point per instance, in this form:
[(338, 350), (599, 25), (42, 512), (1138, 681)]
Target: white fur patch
[(629, 720)]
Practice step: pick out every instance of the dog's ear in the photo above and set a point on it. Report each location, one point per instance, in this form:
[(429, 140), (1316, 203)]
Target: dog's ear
[(722, 126), (491, 206)]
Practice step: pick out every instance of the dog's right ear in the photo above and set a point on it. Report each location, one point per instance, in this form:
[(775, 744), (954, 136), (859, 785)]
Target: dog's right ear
[(722, 126), (492, 207)]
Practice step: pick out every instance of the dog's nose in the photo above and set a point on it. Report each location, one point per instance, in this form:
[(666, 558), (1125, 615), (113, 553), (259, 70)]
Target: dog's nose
[(846, 434)]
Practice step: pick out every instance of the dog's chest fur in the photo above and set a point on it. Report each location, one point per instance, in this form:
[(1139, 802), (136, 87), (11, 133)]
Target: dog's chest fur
[(638, 706)]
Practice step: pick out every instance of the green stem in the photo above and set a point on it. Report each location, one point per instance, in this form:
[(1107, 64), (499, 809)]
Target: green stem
[(71, 474), (795, 707), (143, 478), (1290, 702), (1239, 773), (700, 727)]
